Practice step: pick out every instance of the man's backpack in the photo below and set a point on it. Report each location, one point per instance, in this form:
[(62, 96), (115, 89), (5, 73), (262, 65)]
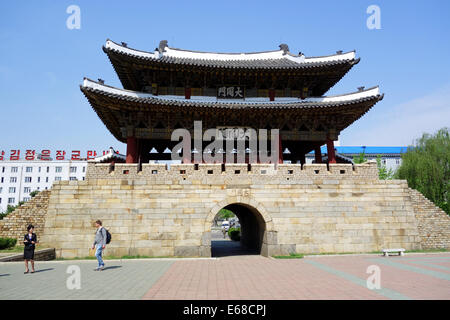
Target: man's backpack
[(108, 236)]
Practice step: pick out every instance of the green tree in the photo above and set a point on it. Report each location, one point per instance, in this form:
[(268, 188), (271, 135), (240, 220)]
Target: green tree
[(34, 193), (383, 172), (361, 158), (226, 214), (426, 167), (10, 209)]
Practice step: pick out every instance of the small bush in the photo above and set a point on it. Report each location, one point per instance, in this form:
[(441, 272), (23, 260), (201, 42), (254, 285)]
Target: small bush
[(234, 234), (6, 243)]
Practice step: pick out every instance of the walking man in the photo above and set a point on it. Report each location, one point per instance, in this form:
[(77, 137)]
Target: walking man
[(99, 244)]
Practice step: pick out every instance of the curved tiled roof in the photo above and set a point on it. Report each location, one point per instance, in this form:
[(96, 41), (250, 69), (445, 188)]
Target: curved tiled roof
[(279, 59), (287, 103)]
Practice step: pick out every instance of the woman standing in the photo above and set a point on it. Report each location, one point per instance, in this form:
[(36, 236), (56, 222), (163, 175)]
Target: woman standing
[(29, 240)]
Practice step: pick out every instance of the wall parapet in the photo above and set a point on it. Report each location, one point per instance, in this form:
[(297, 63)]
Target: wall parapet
[(185, 172)]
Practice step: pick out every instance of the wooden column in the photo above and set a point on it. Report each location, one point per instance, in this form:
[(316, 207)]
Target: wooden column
[(272, 94), (132, 151), (330, 150), (280, 150), (318, 155), (187, 93)]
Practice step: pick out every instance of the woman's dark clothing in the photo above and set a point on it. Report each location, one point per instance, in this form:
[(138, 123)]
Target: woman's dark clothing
[(28, 251)]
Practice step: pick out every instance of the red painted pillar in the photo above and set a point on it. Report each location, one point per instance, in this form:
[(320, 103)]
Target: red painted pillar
[(318, 155), (132, 154), (271, 94), (187, 93), (280, 150), (330, 150)]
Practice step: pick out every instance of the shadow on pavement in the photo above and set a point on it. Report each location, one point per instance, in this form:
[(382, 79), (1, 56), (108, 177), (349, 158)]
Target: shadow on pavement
[(43, 270), (225, 248), (111, 267), (4, 275)]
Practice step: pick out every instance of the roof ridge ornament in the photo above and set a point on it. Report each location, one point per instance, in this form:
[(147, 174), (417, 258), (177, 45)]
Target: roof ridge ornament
[(285, 48), (163, 44)]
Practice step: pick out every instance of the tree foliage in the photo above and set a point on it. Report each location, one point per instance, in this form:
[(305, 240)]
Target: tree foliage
[(426, 167), (383, 172)]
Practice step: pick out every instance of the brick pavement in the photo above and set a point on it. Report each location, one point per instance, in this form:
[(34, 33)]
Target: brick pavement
[(415, 276)]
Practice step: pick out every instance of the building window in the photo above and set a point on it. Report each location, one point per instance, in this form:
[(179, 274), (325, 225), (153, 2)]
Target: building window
[(11, 200), (27, 190), (0, 200), (39, 179), (57, 178), (84, 169), (26, 199), (2, 179), (73, 169), (397, 161), (28, 179), (12, 189), (73, 178), (1, 189), (39, 170), (58, 169), (29, 169), (46, 179), (14, 169), (3, 169), (48, 169), (12, 179)]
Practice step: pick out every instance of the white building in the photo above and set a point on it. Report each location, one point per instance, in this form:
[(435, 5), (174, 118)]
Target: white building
[(19, 178)]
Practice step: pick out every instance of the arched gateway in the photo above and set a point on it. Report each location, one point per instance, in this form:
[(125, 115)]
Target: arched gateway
[(257, 232)]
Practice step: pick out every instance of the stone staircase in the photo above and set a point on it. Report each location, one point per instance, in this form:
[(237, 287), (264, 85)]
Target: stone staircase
[(432, 222), (14, 225)]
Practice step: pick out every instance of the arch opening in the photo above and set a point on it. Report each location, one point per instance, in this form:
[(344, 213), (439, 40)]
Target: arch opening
[(252, 231)]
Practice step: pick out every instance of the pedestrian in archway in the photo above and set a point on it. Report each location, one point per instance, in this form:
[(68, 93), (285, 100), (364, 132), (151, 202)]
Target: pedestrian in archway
[(29, 240)]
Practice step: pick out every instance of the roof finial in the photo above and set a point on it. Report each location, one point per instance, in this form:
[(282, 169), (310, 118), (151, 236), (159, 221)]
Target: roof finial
[(162, 46), (339, 52), (360, 89), (284, 47), (124, 44), (101, 81)]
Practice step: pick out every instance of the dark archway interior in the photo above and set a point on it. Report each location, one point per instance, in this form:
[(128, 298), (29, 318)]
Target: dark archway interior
[(252, 233)]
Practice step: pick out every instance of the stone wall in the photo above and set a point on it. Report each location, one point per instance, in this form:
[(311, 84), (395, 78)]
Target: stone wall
[(158, 211), (433, 223), (14, 225)]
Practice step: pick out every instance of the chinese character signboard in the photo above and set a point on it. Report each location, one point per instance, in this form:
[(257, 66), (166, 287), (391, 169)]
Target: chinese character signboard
[(231, 92)]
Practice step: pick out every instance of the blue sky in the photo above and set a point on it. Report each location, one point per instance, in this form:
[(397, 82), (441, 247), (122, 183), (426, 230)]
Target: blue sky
[(43, 62)]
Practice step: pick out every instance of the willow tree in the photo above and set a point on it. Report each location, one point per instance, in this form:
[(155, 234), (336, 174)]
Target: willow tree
[(426, 167)]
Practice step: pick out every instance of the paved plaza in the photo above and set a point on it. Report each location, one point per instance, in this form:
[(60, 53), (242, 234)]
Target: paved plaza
[(415, 276)]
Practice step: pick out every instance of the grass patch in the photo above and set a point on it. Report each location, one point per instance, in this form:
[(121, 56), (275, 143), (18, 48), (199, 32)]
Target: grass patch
[(290, 256)]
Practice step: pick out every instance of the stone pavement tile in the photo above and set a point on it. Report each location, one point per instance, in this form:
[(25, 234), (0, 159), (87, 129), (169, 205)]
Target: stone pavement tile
[(126, 279), (253, 277), (414, 285)]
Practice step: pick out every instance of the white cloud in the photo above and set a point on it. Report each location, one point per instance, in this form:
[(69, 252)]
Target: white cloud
[(402, 123)]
